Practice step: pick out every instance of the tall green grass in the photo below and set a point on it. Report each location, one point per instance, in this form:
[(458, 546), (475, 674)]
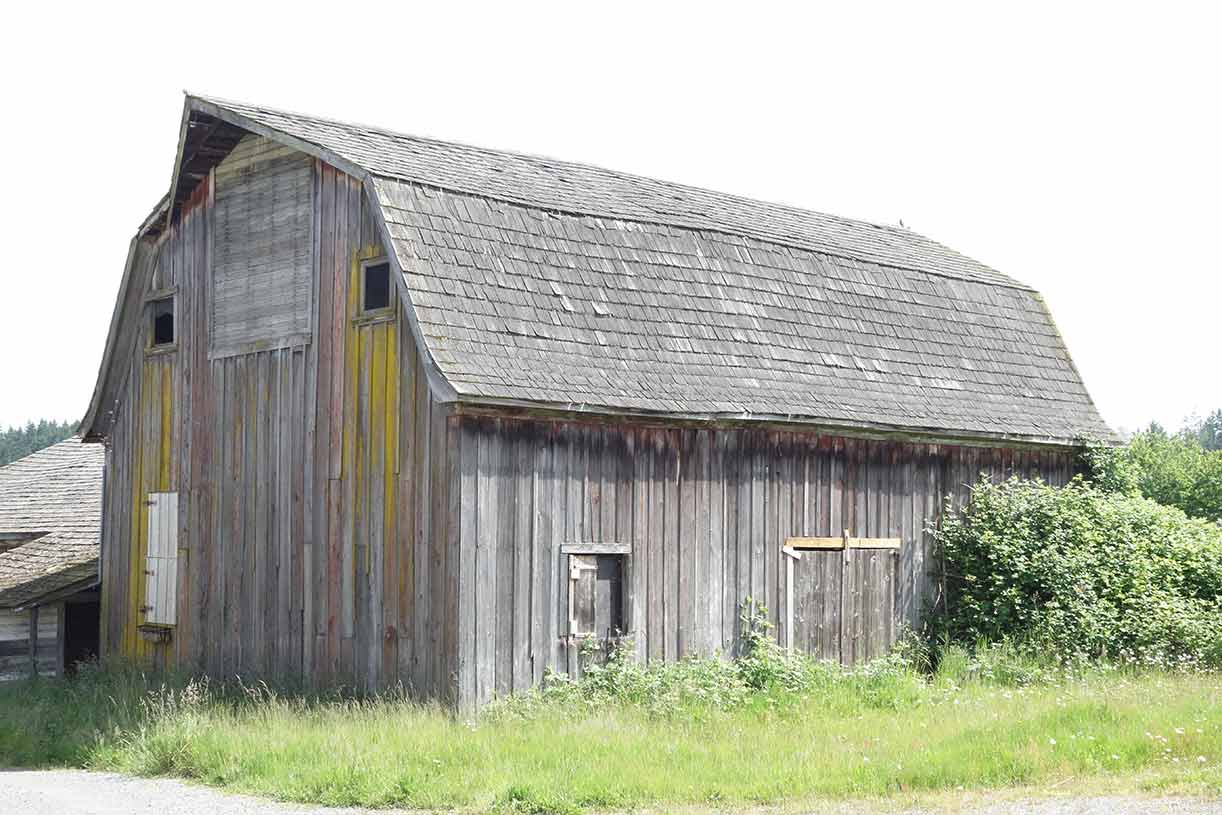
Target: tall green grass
[(702, 732)]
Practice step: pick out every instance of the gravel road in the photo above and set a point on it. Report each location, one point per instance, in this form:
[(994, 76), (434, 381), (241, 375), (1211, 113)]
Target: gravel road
[(73, 792)]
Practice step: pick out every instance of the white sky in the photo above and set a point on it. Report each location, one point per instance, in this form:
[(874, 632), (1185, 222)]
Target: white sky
[(1076, 148)]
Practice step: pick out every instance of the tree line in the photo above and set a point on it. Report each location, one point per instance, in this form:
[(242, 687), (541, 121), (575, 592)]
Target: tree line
[(1181, 468), (18, 442)]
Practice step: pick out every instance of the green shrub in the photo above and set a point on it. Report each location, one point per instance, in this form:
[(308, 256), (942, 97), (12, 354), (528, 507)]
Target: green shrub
[(1107, 467), (1177, 471), (1082, 574)]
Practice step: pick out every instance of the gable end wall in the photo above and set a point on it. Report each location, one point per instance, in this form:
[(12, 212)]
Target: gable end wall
[(306, 474)]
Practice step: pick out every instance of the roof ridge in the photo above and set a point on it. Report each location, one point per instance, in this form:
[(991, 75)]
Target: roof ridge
[(557, 163), (496, 151), (836, 252)]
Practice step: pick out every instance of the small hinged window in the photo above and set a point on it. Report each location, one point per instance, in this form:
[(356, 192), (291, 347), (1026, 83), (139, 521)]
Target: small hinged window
[(597, 590), (375, 286), (161, 327)]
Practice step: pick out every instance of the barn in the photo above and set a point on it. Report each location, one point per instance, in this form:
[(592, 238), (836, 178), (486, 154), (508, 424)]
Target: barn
[(381, 409), (50, 525)]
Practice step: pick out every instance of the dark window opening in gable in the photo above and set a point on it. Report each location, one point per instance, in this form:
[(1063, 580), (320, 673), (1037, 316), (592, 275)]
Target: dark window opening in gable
[(163, 322), (376, 289)]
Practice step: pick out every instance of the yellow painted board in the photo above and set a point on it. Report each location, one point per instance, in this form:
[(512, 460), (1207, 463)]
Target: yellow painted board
[(815, 543), (838, 543), (166, 407), (874, 543)]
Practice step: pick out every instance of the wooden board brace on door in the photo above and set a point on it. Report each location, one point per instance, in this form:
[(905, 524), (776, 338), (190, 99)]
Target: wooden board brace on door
[(792, 549), (843, 542)]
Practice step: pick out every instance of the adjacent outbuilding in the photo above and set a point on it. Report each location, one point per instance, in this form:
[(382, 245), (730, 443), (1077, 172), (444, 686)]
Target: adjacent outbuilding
[(386, 409), (50, 527)]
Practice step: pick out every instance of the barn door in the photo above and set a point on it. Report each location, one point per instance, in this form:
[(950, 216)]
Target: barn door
[(161, 565), (840, 595), (813, 579)]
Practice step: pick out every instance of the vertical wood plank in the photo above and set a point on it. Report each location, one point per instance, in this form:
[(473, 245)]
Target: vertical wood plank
[(715, 601), (523, 552), (486, 561), (638, 452)]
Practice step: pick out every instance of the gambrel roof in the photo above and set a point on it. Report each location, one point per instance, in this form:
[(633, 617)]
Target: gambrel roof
[(542, 283), (53, 498)]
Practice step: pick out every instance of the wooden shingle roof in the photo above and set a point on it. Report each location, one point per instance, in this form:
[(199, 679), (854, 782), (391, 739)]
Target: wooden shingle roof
[(54, 497), (541, 283)]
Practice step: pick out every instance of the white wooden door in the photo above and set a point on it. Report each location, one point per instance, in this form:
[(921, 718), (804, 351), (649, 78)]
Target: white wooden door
[(161, 567)]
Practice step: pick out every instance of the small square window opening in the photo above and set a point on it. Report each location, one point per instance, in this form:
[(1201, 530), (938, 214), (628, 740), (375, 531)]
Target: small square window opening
[(596, 595), (376, 294), (163, 322)]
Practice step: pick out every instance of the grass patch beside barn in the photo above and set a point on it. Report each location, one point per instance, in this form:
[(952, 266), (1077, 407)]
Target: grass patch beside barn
[(694, 734)]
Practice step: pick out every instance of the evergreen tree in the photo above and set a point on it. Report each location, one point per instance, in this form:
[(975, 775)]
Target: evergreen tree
[(1208, 431), (17, 442)]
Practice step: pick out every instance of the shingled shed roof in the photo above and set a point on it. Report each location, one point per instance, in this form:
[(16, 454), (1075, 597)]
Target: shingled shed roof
[(542, 283), (55, 497)]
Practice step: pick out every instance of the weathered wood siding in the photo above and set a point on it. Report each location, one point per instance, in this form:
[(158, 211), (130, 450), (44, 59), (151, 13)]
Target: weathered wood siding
[(15, 643), (337, 522), (143, 450), (706, 513), (380, 579), (307, 476), (262, 278)]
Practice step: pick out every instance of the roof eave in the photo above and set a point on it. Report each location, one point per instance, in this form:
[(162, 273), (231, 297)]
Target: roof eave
[(879, 430), (88, 428), (196, 103), (60, 593), (438, 383)]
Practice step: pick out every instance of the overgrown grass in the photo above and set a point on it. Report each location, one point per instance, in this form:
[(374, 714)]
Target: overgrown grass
[(700, 732)]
